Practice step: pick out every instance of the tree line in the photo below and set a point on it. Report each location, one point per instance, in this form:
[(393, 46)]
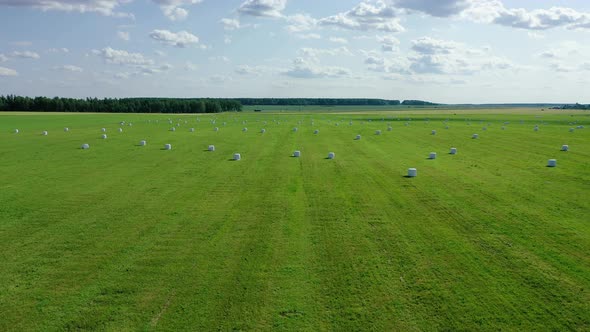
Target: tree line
[(317, 101), (114, 105)]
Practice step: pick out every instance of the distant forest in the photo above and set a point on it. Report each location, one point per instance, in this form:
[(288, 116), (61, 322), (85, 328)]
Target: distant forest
[(178, 105), (575, 106), (123, 105)]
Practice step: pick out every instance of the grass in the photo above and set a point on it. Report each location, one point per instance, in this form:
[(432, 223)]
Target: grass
[(124, 237)]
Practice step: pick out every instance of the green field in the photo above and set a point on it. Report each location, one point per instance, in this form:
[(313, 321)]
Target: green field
[(125, 237)]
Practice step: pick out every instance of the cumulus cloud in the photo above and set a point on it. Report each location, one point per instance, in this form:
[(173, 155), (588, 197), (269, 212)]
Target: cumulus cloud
[(7, 72), (230, 24), (366, 16), (58, 50), (25, 55), (542, 19), (388, 43), (315, 53), (122, 57), (309, 36), (300, 23), (3, 58), (178, 39), (247, 70), (189, 66), (311, 68), (173, 9), (264, 8), (69, 68), (103, 7)]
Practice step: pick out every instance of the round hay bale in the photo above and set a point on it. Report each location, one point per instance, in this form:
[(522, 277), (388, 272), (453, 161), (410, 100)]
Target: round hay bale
[(44, 133), (389, 129), (215, 129), (122, 123), (120, 130), (503, 128), (295, 129), (331, 155), (245, 129), (433, 132), (316, 132), (262, 131), (412, 172), (453, 151), (377, 132), (173, 129), (192, 130), (536, 128), (103, 136), (475, 136), (167, 146), (484, 128), (16, 131), (432, 155), (358, 137), (66, 129), (572, 130), (142, 143), (85, 146), (552, 163), (565, 147), (297, 153), (237, 156), (130, 124), (104, 130), (446, 127), (211, 148)]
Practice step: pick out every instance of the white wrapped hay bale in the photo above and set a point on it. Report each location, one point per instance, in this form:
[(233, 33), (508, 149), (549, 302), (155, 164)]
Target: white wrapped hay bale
[(103, 136), (66, 129), (142, 143), (120, 130), (331, 155), (565, 147), (104, 130), (85, 146), (295, 129), (412, 172), (377, 132), (552, 163), (122, 123), (237, 156), (192, 130), (262, 131), (446, 127), (432, 155), (167, 146), (453, 151), (316, 132), (503, 128), (215, 129), (130, 124), (211, 148), (358, 137), (16, 131), (389, 128), (433, 132), (173, 129), (475, 136), (536, 128), (44, 133), (245, 129), (484, 128), (297, 153), (571, 130)]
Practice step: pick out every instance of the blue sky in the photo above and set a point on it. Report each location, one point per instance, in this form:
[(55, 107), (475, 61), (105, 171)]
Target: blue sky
[(449, 51)]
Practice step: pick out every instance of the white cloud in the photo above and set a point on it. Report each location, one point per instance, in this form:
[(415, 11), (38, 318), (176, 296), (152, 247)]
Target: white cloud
[(70, 68), (3, 58), (7, 72), (264, 8), (247, 70), (178, 39), (315, 53), (309, 36), (173, 10), (438, 8), (302, 68), (121, 57), (300, 23), (227, 40), (535, 35), (122, 75), (366, 16), (220, 58), (22, 43), (388, 43), (338, 40), (230, 24), (103, 7), (123, 35), (25, 55), (58, 50)]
